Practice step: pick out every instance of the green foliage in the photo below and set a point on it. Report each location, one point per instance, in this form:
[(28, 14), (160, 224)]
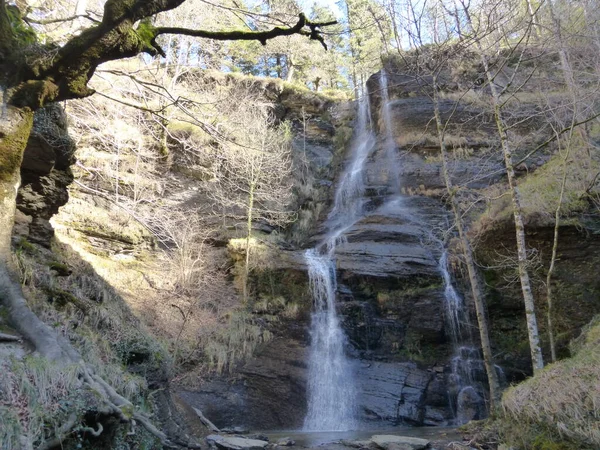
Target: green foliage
[(25, 246), (61, 269), (21, 31)]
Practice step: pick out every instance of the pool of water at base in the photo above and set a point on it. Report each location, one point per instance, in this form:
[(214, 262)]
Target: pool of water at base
[(317, 438)]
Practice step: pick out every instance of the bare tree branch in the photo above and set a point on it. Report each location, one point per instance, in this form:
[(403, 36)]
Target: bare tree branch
[(261, 36)]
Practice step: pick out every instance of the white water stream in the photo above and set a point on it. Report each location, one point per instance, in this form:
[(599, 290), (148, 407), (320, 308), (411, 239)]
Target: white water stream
[(391, 157), (331, 390)]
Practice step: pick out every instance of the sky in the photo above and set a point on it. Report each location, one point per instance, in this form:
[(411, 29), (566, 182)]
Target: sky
[(307, 5)]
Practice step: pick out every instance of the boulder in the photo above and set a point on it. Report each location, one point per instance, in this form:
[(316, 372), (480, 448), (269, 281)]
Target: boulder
[(470, 406), (286, 442), (235, 443), (391, 442)]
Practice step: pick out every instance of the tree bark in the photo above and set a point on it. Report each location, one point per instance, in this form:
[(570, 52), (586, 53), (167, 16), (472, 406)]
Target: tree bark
[(248, 236), (532, 327), (15, 126)]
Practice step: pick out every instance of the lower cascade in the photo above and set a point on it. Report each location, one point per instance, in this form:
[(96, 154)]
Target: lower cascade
[(332, 394)]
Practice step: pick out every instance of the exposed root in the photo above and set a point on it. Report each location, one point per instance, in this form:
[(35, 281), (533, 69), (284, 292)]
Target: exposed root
[(9, 338), (45, 340), (61, 433), (55, 348)]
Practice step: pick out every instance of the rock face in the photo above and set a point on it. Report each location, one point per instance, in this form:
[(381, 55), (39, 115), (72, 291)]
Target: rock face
[(268, 392), (45, 174), (390, 296)]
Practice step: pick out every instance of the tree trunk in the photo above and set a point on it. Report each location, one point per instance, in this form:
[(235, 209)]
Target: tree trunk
[(532, 327), (248, 235), (534, 21), (567, 70), (537, 359), (468, 254), (15, 127), (549, 291), (290, 69)]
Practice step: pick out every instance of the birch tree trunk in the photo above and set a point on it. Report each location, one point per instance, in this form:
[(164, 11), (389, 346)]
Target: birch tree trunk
[(248, 235), (537, 359), (532, 327), (470, 262)]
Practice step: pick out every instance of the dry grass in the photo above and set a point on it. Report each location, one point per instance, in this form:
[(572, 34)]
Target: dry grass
[(540, 192), (565, 396), (34, 395)]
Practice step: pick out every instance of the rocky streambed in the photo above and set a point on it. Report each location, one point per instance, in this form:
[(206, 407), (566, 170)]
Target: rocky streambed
[(397, 439)]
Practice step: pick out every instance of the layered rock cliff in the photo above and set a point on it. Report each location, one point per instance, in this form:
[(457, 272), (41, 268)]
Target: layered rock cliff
[(391, 291)]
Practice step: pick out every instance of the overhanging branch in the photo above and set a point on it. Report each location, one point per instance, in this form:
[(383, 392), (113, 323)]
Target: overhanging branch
[(313, 32)]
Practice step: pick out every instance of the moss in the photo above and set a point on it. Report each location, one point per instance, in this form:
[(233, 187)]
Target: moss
[(533, 436), (35, 94), (147, 32), (25, 246), (20, 34), (62, 298), (60, 268), (557, 409)]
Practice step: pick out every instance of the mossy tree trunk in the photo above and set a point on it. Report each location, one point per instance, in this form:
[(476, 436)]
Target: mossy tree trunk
[(15, 126)]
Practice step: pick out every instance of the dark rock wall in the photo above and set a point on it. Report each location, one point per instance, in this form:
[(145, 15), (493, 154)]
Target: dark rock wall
[(45, 175), (390, 298)]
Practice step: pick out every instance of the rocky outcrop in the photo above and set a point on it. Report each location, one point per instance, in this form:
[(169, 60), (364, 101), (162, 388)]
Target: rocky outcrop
[(390, 297), (45, 174)]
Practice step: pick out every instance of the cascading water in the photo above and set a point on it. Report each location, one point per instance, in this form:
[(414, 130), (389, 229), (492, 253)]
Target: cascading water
[(457, 317), (390, 144), (466, 384), (331, 390)]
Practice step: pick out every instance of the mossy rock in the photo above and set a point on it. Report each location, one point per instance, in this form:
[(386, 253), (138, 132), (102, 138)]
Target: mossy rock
[(61, 269), (61, 298)]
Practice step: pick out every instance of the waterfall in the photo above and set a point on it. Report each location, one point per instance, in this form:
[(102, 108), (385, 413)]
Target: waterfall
[(457, 317), (332, 394), (391, 158), (467, 381), (348, 205), (330, 388)]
